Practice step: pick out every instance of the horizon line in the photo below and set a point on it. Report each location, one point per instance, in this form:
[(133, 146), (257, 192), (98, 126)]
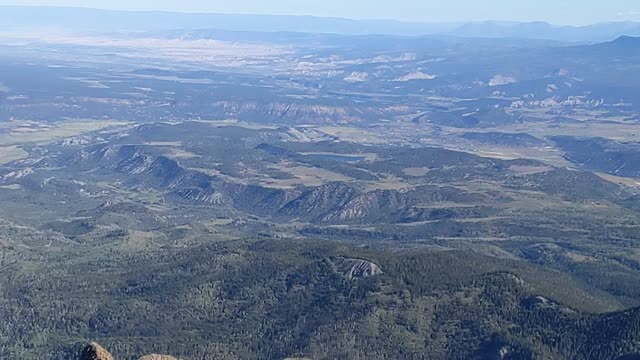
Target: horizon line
[(402, 21)]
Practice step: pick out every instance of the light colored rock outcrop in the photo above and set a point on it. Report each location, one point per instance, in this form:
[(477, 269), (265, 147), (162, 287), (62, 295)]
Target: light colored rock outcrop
[(416, 75), (94, 351), (157, 357), (357, 268)]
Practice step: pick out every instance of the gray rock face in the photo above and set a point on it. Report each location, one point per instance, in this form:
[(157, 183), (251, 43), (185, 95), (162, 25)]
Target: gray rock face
[(357, 268), (317, 203)]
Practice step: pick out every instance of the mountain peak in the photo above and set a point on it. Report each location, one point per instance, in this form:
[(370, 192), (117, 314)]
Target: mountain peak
[(627, 41), (623, 46)]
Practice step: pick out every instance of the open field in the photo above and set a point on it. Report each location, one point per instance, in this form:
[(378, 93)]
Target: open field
[(21, 132), (11, 153)]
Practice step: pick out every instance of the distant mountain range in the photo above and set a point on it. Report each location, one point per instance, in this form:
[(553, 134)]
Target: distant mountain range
[(623, 44), (543, 30), (83, 19)]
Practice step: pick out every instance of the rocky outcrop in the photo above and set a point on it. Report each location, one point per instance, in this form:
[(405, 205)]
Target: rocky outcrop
[(356, 268), (369, 206), (158, 357), (319, 202), (295, 112), (94, 351), (416, 75)]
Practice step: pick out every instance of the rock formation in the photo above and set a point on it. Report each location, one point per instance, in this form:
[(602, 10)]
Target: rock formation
[(157, 357), (94, 351)]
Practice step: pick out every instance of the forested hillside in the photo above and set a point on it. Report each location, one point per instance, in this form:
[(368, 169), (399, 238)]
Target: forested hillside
[(279, 299)]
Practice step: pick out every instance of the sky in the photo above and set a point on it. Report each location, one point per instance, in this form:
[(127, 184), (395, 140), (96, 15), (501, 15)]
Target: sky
[(574, 12)]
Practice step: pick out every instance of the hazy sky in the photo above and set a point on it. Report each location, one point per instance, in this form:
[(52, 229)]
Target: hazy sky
[(556, 11)]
